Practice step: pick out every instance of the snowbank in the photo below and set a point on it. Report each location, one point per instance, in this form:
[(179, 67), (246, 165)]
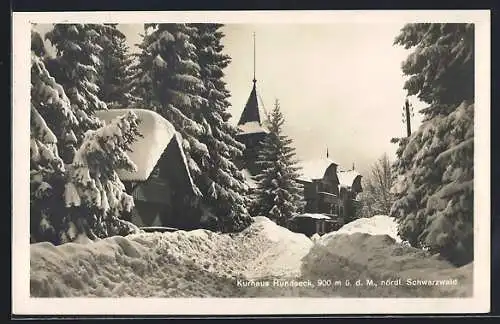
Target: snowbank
[(201, 263), (197, 263), (365, 257), (375, 225)]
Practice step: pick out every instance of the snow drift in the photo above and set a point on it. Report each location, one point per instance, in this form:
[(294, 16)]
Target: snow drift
[(375, 225), (201, 263), (197, 263), (360, 256), (371, 249)]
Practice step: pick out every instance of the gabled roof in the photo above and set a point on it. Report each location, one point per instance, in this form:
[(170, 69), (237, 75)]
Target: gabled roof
[(314, 169), (157, 133), (347, 178)]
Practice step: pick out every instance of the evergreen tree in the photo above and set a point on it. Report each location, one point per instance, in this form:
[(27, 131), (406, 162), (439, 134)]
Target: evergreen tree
[(49, 100), (179, 74), (115, 69), (82, 197), (278, 194), (94, 194), (434, 170), (51, 118), (142, 70), (441, 67), (222, 183), (76, 68), (168, 71)]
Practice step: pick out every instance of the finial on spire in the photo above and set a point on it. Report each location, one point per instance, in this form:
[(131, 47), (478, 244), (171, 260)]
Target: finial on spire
[(353, 166), (327, 152), (254, 80)]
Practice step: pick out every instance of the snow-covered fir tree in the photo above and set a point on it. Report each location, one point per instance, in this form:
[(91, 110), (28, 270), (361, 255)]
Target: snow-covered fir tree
[(51, 118), (168, 71), (94, 194), (222, 183), (76, 67), (434, 171), (84, 196), (441, 66), (278, 194), (50, 101), (179, 75), (142, 70), (114, 74)]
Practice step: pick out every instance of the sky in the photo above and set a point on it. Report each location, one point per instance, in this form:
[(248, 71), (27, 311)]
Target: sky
[(340, 86)]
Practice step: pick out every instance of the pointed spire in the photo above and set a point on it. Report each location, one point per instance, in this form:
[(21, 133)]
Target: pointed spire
[(251, 111), (327, 154), (353, 166), (254, 79)]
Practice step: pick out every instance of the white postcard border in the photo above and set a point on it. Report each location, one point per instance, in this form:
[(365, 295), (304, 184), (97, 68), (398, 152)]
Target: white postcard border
[(22, 303)]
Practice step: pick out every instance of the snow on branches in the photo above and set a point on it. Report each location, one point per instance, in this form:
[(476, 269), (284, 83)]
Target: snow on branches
[(278, 193), (434, 185), (92, 175)]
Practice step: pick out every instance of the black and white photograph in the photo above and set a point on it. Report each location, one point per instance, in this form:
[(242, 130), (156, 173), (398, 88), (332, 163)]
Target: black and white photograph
[(313, 160)]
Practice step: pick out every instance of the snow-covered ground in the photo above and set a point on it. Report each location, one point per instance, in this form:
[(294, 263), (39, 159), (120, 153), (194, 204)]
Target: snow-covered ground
[(194, 263), (201, 263), (371, 249), (375, 225)]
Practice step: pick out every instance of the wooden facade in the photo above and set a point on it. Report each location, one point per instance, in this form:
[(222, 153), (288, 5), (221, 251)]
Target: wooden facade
[(161, 186), (163, 199)]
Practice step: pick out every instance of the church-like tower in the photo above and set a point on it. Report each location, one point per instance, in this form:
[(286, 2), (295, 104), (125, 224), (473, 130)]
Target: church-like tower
[(251, 128)]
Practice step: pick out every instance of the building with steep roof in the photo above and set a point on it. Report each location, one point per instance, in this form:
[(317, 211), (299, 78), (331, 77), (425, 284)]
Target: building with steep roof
[(252, 130), (161, 185), (329, 194), (350, 180)]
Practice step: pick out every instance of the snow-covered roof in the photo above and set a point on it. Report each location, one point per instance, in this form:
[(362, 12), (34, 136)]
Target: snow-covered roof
[(252, 127), (253, 117), (249, 179), (311, 215), (157, 133), (314, 169), (346, 178)]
